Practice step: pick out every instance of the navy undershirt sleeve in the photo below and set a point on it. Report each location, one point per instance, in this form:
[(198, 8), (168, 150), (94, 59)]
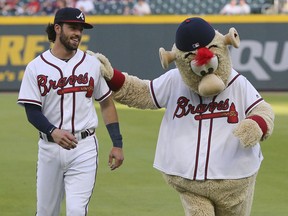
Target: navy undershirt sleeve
[(37, 119)]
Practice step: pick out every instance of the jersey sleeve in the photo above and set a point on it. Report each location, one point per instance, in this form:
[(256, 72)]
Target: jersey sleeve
[(29, 91), (101, 89), (247, 95), (160, 89), (253, 97)]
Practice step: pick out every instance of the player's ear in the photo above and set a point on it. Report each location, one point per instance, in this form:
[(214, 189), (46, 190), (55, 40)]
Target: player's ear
[(57, 27)]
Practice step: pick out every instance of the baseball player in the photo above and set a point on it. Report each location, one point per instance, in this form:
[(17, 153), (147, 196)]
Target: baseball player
[(58, 92)]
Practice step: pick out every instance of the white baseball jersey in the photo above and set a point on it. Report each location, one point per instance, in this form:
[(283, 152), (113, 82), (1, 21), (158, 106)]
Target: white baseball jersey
[(195, 139), (58, 87)]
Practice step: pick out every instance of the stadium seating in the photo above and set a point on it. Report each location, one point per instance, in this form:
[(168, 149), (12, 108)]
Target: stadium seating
[(158, 7), (178, 6)]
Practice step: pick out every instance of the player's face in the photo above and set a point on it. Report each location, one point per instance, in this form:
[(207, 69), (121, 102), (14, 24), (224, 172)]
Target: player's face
[(70, 36)]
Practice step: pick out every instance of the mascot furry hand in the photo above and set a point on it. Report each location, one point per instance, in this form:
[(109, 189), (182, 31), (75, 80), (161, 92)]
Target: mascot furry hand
[(208, 146)]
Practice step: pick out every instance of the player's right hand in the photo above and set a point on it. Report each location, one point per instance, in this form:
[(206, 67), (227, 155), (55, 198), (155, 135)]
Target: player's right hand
[(116, 158), (64, 138)]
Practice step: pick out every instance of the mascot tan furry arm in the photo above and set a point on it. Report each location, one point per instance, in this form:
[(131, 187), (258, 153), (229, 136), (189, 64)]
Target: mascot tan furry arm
[(208, 145)]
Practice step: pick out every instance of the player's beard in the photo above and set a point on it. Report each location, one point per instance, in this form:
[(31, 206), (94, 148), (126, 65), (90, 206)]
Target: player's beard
[(65, 40)]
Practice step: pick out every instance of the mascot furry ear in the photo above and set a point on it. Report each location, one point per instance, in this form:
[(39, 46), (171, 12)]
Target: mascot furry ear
[(209, 138)]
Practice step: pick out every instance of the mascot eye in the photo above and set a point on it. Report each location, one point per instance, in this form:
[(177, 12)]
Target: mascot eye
[(213, 46), (188, 54)]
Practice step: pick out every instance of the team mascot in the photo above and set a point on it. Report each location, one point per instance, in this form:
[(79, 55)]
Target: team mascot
[(208, 146)]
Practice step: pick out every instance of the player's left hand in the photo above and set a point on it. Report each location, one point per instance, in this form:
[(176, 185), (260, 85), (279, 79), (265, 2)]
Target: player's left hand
[(116, 158)]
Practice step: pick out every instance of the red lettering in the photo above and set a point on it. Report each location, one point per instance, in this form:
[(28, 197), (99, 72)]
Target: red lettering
[(42, 81), (183, 107), (45, 86)]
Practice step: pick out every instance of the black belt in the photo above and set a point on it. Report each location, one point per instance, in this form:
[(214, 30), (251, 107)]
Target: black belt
[(83, 135)]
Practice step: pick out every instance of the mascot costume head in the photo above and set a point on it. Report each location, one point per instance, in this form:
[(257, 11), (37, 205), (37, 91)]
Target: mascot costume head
[(206, 52)]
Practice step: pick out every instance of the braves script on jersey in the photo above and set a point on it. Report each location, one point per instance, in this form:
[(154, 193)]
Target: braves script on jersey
[(195, 139), (49, 81)]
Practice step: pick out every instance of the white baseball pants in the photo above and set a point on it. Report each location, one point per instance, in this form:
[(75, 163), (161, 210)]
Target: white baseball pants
[(66, 172)]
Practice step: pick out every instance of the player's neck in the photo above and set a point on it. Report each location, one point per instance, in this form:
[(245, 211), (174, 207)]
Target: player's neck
[(62, 53)]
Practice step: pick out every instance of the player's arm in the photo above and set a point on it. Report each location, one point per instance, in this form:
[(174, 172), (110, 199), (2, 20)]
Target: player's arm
[(39, 121), (110, 118)]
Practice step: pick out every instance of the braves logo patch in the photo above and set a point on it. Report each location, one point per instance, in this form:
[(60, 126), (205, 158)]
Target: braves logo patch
[(221, 109), (81, 15), (66, 84), (231, 114)]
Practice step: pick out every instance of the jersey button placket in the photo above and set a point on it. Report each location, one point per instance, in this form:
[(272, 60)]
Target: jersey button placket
[(203, 152)]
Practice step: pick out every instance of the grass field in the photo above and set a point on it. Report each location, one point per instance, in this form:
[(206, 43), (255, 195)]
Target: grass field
[(136, 189)]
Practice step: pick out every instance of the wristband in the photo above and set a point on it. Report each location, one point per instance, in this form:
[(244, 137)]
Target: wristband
[(117, 81), (114, 132), (261, 122)]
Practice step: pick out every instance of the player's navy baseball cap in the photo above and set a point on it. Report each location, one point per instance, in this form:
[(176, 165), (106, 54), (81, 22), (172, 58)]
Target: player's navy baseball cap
[(193, 33), (71, 15)]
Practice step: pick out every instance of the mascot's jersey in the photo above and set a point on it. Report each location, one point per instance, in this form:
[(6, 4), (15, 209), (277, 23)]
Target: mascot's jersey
[(65, 90), (195, 139)]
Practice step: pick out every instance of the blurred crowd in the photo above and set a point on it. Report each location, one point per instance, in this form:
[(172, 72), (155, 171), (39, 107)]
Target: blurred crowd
[(48, 7), (30, 7), (234, 7), (137, 7), (42, 7)]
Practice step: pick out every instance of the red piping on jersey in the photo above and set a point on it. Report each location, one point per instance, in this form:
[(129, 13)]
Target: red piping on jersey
[(29, 101), (233, 79), (198, 149), (208, 148), (104, 96), (209, 144), (74, 94), (96, 169), (62, 96), (250, 107), (198, 145), (153, 95)]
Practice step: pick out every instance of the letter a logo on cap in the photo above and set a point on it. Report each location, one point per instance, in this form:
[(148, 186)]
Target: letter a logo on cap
[(80, 16)]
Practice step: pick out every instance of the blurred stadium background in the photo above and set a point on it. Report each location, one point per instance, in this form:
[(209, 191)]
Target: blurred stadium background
[(181, 6), (132, 43), (158, 7), (261, 57)]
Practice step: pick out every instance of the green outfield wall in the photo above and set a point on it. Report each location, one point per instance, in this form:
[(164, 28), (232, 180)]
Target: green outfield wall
[(132, 43)]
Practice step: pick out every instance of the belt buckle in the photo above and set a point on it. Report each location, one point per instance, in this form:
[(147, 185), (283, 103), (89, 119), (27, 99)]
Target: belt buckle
[(84, 134), (87, 132)]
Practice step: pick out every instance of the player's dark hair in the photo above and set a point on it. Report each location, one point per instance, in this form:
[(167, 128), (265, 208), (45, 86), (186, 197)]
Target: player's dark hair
[(51, 32)]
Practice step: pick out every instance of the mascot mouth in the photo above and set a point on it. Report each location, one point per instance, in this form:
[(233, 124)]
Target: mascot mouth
[(210, 85)]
